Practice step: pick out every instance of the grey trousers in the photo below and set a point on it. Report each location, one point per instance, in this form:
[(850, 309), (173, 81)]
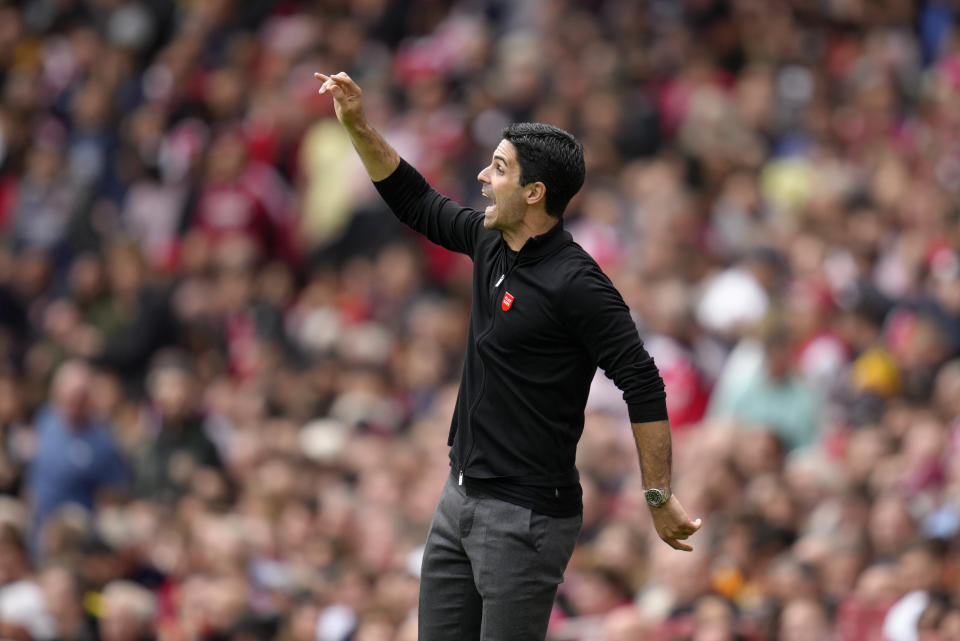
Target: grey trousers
[(491, 569)]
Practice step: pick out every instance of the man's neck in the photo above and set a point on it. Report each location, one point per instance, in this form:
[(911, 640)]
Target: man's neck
[(533, 225)]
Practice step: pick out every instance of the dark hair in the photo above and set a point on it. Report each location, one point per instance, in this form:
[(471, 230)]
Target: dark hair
[(549, 155)]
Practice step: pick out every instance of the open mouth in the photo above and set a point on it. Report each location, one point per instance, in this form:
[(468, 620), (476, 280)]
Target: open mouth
[(491, 207)]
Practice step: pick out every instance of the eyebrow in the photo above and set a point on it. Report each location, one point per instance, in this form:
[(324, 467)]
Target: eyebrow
[(500, 158)]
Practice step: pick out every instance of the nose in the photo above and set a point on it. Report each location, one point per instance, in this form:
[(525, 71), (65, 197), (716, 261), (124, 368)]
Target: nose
[(482, 176)]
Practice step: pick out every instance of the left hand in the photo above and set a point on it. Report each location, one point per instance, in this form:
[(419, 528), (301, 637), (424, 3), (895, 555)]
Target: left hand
[(673, 525)]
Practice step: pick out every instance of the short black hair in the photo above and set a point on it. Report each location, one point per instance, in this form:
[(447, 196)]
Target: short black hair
[(549, 155)]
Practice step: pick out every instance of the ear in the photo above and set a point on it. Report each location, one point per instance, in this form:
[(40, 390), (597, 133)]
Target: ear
[(535, 192)]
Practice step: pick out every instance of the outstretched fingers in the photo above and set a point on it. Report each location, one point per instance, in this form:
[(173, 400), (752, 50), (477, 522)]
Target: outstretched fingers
[(337, 82), (329, 82)]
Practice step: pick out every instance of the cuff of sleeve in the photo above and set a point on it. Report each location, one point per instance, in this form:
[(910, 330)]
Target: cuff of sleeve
[(402, 170), (405, 182), (648, 412)]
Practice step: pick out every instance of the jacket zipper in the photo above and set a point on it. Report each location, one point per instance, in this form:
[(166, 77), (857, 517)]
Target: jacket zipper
[(483, 371)]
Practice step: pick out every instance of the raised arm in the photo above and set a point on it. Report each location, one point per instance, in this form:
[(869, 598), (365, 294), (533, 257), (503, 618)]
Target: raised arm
[(379, 158), (412, 200)]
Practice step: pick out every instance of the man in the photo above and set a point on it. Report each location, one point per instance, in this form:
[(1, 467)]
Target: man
[(544, 316), (128, 609), (180, 445), (77, 458), (23, 612)]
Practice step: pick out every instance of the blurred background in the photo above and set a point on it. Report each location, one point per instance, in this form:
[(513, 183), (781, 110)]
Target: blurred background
[(227, 374)]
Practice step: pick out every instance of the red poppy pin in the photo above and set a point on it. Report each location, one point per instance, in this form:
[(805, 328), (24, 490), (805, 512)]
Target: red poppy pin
[(507, 301)]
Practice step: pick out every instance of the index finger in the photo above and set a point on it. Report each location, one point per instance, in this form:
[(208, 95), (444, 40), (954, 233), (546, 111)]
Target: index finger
[(330, 83), (677, 545)]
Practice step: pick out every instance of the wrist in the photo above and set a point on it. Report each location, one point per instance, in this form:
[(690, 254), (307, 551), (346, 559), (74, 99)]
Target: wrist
[(357, 126), (657, 497)]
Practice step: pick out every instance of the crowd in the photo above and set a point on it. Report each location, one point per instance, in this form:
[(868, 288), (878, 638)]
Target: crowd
[(227, 374)]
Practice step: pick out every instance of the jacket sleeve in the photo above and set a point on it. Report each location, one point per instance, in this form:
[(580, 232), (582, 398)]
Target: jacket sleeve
[(600, 319), (416, 204)]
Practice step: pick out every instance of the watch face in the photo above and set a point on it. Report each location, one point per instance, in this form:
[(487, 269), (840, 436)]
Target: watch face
[(655, 497)]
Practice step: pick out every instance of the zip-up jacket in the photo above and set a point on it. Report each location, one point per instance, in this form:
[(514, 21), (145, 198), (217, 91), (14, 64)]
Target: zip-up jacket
[(542, 320)]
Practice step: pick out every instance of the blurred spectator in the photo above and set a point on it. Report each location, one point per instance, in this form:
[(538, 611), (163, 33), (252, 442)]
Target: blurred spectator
[(240, 199), (760, 387), (76, 457), (22, 605), (127, 612), (64, 599), (46, 197), (920, 578), (16, 436), (136, 320), (803, 620), (178, 445)]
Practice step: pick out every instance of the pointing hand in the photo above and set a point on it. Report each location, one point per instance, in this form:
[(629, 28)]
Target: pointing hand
[(347, 97)]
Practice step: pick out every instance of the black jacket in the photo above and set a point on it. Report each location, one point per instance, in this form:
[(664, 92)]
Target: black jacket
[(542, 320)]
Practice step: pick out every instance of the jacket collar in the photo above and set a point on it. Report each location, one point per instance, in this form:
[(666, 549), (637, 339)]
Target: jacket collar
[(546, 243)]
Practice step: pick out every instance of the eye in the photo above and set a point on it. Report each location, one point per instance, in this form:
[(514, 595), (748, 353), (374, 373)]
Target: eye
[(499, 170)]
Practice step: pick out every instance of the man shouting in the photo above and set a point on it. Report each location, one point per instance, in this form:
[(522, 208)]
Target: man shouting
[(544, 317)]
